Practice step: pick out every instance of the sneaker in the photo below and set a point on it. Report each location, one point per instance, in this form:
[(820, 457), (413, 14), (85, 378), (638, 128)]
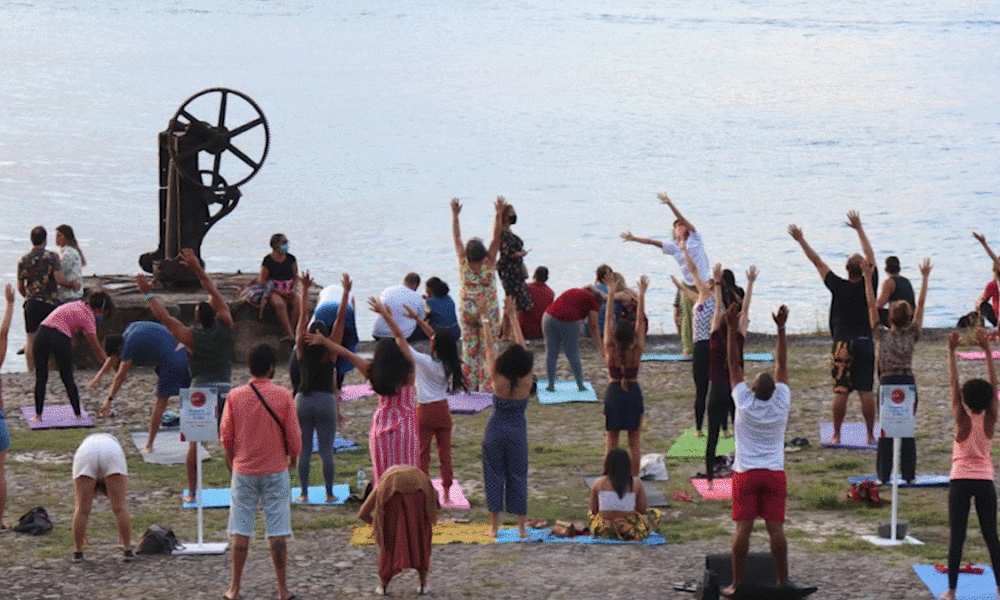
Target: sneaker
[(77, 556), (128, 556)]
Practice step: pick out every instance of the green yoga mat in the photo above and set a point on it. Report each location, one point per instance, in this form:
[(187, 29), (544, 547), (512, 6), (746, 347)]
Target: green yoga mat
[(689, 445)]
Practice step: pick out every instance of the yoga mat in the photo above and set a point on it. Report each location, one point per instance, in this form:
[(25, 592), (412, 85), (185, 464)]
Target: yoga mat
[(852, 436), (509, 535), (212, 498), (654, 497), (654, 539), (566, 391), (340, 444), (689, 445), (722, 489), (350, 393), (56, 416), (977, 355), (168, 449), (444, 533), (666, 357), (970, 587), (920, 481), (457, 498), (317, 494), (470, 403)]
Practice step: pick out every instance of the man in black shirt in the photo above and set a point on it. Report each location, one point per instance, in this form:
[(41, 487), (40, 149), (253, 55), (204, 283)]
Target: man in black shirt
[(852, 357)]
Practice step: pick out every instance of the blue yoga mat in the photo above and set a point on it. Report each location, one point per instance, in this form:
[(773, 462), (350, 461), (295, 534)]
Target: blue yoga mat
[(566, 391), (317, 494), (509, 535), (970, 587), (852, 436), (654, 539), (340, 444), (212, 498), (920, 481), (668, 357)]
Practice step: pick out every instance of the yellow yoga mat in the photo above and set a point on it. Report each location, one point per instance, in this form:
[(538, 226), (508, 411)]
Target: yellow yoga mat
[(444, 533)]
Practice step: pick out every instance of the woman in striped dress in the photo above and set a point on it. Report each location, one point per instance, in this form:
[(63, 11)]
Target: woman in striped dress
[(394, 435)]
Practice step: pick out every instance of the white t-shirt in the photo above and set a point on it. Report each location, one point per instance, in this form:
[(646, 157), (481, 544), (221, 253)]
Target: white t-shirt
[(760, 428), (432, 385), (696, 248), (394, 298)]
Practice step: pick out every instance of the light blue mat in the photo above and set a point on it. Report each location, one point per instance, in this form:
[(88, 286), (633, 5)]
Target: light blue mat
[(566, 391), (340, 444), (668, 357), (852, 436), (920, 481), (212, 498), (317, 494), (509, 536), (970, 587)]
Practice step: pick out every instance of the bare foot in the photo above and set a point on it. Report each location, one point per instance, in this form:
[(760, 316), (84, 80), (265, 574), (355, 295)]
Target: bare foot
[(303, 499), (331, 499), (447, 495), (231, 595), (725, 434), (950, 595), (493, 533), (871, 440), (729, 592), (148, 449), (710, 484), (380, 591), (834, 441), (189, 499), (522, 533), (36, 419), (699, 433)]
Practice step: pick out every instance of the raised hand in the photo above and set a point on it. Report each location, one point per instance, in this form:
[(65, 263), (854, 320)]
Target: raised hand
[(314, 338), (189, 259), (795, 232), (854, 219), (980, 237), (376, 306), (867, 267), (305, 279), (717, 272), (610, 281), (345, 282), (953, 339), (143, 284), (409, 312), (664, 198), (8, 293), (925, 267), (456, 206), (628, 237), (501, 205), (643, 284), (752, 274), (982, 339), (733, 314), (780, 317)]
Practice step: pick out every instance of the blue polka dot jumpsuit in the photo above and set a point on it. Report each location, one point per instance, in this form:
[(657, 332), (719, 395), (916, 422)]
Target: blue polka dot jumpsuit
[(505, 457)]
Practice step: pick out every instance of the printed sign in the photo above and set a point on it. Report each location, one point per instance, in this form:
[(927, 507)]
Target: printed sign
[(896, 409), (198, 421)]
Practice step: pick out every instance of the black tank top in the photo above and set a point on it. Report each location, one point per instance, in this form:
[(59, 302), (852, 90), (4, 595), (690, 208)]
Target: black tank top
[(903, 291)]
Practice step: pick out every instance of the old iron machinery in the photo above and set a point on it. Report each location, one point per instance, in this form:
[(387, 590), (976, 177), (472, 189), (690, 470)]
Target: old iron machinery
[(194, 154)]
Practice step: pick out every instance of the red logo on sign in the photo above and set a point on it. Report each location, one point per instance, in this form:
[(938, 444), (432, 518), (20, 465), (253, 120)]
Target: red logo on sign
[(198, 399), (898, 396)]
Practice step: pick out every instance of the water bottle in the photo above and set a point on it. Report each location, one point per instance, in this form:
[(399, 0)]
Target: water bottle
[(362, 481)]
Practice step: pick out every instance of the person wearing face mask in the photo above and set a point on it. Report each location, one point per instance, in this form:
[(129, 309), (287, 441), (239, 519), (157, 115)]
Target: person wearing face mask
[(55, 338), (280, 270), (510, 266)]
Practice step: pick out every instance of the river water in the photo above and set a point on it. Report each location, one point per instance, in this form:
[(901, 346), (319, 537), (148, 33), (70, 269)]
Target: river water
[(751, 115)]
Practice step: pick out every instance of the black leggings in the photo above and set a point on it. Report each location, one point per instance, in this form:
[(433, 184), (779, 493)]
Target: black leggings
[(719, 399), (960, 492), (699, 369), (49, 341)]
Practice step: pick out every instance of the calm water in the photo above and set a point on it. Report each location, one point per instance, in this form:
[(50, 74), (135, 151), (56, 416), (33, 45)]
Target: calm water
[(752, 115)]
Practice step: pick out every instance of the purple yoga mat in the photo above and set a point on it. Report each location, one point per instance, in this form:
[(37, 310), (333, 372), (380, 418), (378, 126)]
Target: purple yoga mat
[(350, 393), (977, 355), (852, 435), (470, 403), (56, 416)]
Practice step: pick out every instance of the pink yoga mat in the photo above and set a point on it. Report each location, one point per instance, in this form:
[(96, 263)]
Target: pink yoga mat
[(350, 393), (470, 403), (457, 498), (56, 416), (722, 489), (977, 355)]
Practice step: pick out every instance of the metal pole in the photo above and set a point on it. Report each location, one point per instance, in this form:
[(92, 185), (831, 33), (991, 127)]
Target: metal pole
[(198, 460), (896, 449)]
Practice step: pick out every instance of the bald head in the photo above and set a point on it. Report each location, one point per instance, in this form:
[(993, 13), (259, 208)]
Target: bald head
[(763, 386)]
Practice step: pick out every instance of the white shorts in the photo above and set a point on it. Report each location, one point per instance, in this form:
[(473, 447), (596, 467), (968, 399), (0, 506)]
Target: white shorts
[(98, 456)]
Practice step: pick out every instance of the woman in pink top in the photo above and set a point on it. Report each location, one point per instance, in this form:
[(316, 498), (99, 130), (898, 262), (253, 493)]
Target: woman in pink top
[(974, 406), (55, 338)]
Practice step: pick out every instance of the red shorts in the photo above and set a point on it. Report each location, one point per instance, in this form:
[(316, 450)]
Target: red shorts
[(759, 493)]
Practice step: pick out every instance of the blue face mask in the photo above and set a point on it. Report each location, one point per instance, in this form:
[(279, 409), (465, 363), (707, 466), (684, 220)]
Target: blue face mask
[(283, 248)]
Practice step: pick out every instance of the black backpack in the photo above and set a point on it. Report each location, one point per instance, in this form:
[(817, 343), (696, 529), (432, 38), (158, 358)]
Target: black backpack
[(158, 540), (34, 522)]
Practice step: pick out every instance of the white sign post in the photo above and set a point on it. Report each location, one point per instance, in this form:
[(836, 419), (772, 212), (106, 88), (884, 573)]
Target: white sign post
[(199, 424), (896, 402)]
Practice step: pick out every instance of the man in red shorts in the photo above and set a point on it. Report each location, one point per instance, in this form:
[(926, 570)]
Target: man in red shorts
[(759, 486)]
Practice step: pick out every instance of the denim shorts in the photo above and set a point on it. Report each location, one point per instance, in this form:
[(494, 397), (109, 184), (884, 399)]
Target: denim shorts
[(4, 434), (272, 492)]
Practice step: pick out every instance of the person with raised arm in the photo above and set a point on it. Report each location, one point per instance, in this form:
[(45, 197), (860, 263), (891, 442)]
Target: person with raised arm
[(8, 316), (477, 268), (624, 343), (209, 343), (393, 439), (703, 314), (895, 359), (316, 397), (991, 312), (720, 399), (684, 236), (974, 407), (852, 356), (759, 484)]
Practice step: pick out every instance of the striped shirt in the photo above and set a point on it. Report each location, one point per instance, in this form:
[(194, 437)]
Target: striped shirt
[(393, 437)]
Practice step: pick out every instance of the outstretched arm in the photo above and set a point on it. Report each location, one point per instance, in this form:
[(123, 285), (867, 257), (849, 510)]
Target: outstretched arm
[(693, 296), (982, 240), (888, 287), (318, 339), (640, 315), (513, 324), (867, 269), (925, 274), (854, 220), (732, 348), (781, 346), (215, 298), (628, 237), (456, 230), (666, 200), (180, 331), (300, 327), (609, 311), (699, 283), (377, 307), (719, 308), (491, 252), (745, 313), (8, 316), (814, 258), (337, 332), (424, 325), (962, 422)]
